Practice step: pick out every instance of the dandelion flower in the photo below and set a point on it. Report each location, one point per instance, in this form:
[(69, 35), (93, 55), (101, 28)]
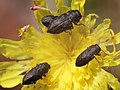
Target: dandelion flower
[(61, 51)]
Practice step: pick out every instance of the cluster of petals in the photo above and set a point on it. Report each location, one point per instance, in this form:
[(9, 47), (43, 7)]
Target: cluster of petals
[(61, 51)]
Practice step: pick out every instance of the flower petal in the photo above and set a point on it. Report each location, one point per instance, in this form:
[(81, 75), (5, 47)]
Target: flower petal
[(63, 9), (78, 5), (8, 48), (117, 37), (29, 33), (112, 40), (10, 73), (41, 3), (110, 59), (39, 14), (100, 81), (11, 82), (65, 82), (89, 22), (112, 81), (102, 27), (117, 62), (59, 4)]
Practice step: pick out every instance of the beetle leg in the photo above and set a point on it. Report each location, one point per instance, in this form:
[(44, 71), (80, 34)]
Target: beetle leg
[(96, 59), (87, 65), (44, 75), (41, 77), (34, 86), (71, 26), (79, 24), (69, 31)]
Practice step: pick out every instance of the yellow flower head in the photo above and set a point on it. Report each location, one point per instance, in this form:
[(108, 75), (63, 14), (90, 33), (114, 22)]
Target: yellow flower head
[(60, 52)]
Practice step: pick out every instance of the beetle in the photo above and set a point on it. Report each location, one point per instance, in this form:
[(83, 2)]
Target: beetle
[(58, 24), (35, 73), (86, 56), (48, 19)]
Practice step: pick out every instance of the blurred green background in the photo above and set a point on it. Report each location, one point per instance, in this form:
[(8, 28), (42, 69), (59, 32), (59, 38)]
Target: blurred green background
[(16, 13)]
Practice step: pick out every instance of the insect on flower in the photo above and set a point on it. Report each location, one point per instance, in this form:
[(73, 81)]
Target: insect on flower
[(48, 19), (36, 73), (60, 50), (58, 24), (87, 55)]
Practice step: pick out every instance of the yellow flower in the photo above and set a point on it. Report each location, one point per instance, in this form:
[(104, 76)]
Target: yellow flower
[(61, 51)]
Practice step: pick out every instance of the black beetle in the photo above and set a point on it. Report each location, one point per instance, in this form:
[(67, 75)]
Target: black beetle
[(35, 73), (48, 19), (58, 24), (86, 56)]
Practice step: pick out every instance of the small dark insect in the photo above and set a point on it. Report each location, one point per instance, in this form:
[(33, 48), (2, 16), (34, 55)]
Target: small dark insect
[(58, 24), (86, 56), (48, 19), (35, 73)]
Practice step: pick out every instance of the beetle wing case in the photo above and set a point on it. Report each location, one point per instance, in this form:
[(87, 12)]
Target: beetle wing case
[(87, 55), (29, 77), (35, 73), (61, 23)]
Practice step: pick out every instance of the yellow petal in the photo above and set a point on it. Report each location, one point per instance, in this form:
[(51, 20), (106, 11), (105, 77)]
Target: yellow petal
[(39, 14), (78, 5), (117, 62), (117, 37), (62, 9), (41, 3), (110, 59), (59, 4), (65, 79), (102, 27), (10, 73), (89, 22), (30, 33), (8, 48), (61, 51), (112, 81), (11, 82)]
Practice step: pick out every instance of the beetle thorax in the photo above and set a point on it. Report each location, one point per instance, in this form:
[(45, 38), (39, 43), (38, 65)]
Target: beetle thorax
[(74, 16)]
